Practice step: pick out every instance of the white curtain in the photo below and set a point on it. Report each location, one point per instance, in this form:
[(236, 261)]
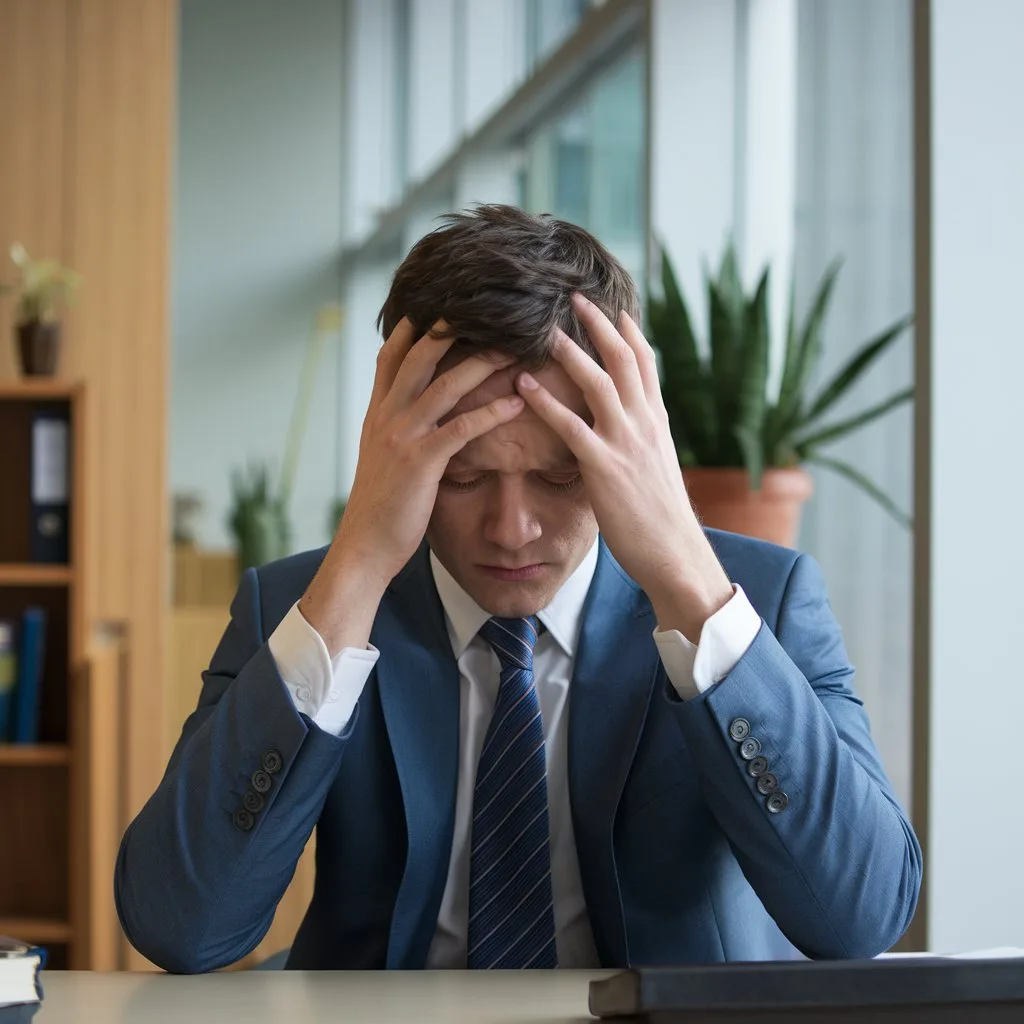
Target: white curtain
[(854, 200)]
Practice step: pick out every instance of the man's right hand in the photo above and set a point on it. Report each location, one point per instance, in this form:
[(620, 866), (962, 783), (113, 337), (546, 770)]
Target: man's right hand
[(403, 453)]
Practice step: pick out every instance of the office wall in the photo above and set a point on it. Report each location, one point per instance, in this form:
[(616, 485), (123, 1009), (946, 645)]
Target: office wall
[(86, 105), (257, 227), (976, 825)]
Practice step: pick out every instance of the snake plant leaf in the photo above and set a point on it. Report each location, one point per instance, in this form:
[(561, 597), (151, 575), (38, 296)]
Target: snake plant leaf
[(753, 454), (691, 410), (726, 344), (854, 369), (794, 384), (753, 384), (809, 442), (865, 484)]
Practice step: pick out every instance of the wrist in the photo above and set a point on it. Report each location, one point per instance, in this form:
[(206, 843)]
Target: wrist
[(342, 599), (685, 598)]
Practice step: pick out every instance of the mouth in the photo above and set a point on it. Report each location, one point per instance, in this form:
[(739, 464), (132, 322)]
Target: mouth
[(523, 572)]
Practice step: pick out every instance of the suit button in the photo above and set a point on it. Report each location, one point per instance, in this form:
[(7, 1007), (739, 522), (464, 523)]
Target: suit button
[(261, 781), (252, 801), (776, 802), (767, 783), (243, 819), (750, 748), (757, 766), (272, 762), (739, 729)]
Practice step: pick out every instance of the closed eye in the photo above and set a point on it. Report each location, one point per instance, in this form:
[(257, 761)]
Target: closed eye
[(561, 484), (463, 485)]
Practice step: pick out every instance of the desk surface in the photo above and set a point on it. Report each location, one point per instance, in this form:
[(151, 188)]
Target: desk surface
[(294, 997)]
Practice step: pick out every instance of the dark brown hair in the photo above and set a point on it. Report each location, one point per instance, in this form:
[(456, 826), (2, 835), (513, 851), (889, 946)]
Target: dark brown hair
[(501, 279)]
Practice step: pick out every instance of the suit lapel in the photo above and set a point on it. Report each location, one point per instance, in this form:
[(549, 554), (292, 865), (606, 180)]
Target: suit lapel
[(616, 665), (418, 679)]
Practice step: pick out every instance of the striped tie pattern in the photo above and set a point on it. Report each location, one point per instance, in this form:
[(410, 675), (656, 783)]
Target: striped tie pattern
[(511, 913)]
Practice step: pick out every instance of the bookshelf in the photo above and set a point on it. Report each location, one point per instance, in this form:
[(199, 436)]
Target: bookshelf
[(41, 788)]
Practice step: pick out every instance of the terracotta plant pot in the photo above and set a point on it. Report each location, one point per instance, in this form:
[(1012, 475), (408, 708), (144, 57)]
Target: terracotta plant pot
[(39, 348), (724, 501)]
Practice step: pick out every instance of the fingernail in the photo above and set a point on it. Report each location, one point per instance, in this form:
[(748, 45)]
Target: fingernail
[(515, 402), (527, 382), (580, 299)]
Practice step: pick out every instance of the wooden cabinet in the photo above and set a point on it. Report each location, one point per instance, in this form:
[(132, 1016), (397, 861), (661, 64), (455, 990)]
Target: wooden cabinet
[(57, 808)]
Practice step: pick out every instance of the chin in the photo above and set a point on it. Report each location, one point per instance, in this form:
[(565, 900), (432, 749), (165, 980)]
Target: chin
[(511, 601)]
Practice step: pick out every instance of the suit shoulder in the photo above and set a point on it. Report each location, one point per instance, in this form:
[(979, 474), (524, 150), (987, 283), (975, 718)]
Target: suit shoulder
[(283, 582), (761, 568)]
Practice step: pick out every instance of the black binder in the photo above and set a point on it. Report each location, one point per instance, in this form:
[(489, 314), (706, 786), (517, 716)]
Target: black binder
[(50, 487), (901, 990)]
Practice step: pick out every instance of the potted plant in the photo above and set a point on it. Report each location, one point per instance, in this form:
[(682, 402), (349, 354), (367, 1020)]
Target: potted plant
[(258, 516), (45, 290), (743, 449)]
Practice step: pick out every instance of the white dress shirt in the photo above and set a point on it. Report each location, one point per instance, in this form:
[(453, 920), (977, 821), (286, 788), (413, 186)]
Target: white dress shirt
[(327, 691)]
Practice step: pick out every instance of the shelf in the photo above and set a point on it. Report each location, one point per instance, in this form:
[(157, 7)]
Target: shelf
[(39, 930), (27, 575), (30, 389), (31, 754)]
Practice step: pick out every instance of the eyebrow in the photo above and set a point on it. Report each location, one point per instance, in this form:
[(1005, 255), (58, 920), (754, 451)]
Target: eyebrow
[(566, 464)]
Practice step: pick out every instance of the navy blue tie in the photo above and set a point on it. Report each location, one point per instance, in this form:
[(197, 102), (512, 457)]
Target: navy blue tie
[(511, 913)]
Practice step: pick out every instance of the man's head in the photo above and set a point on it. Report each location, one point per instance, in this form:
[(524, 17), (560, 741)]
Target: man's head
[(501, 281)]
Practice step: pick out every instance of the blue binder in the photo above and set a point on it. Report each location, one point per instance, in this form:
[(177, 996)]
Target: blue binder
[(30, 676)]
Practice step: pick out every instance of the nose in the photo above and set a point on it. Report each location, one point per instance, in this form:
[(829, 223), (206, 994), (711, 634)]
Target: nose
[(511, 523)]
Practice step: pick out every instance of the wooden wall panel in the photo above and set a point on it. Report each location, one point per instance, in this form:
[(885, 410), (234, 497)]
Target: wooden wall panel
[(121, 135), (87, 91), (34, 76)]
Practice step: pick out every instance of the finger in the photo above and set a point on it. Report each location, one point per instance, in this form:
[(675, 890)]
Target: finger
[(617, 355), (571, 428), (596, 384), (449, 388), (446, 441), (390, 357), (646, 362), (420, 364)]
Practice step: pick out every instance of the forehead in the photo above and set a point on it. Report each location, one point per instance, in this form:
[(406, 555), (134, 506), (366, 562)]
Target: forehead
[(527, 442)]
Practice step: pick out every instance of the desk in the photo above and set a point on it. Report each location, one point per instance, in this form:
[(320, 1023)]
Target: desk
[(295, 997)]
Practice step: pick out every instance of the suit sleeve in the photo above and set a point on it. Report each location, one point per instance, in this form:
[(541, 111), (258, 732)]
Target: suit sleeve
[(202, 867), (823, 841)]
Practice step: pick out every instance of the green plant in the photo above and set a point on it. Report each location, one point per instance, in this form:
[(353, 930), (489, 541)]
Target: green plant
[(258, 517), (719, 406), (45, 289)]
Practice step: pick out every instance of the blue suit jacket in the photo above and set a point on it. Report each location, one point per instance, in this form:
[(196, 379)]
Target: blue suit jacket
[(680, 858)]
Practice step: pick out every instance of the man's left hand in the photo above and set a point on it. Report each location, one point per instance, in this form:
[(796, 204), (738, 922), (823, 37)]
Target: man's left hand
[(631, 471)]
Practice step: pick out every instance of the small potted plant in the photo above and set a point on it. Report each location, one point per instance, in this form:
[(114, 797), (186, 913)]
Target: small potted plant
[(258, 517), (44, 292), (742, 448)]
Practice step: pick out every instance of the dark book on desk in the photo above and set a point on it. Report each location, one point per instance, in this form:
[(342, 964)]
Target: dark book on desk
[(21, 991), (31, 654), (892, 991), (50, 487)]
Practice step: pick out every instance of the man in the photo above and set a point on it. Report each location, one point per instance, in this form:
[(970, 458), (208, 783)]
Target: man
[(538, 716)]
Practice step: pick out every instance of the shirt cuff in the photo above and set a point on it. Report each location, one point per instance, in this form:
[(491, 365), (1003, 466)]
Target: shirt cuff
[(325, 690), (694, 668)]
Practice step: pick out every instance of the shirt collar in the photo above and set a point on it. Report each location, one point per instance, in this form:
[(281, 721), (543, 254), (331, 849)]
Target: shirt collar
[(561, 617)]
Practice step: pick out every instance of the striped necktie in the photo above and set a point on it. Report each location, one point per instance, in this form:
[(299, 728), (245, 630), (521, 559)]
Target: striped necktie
[(511, 912)]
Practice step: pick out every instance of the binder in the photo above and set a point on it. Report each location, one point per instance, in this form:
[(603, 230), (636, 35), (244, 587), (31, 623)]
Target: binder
[(30, 676), (50, 486), (8, 673)]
